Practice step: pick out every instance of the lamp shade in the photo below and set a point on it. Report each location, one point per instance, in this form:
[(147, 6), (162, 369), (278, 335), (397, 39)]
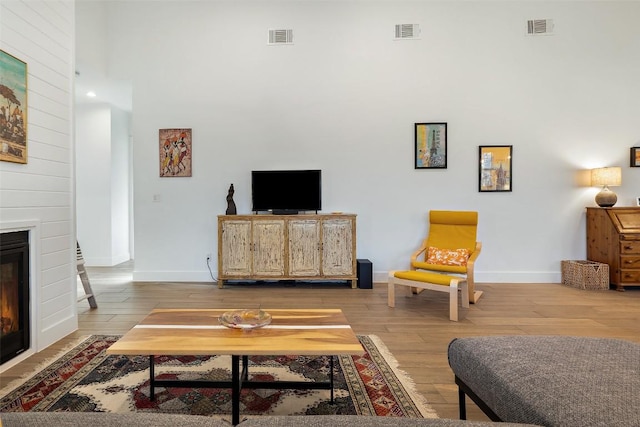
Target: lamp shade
[(611, 177)]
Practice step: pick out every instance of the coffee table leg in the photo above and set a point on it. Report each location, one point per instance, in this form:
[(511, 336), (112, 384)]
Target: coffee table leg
[(235, 390), (331, 376), (245, 368), (152, 377)]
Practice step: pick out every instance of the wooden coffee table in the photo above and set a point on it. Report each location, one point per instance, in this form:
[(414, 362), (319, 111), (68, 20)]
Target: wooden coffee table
[(197, 332)]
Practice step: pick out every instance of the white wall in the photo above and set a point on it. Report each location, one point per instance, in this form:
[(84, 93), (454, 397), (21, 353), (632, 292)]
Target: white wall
[(344, 99), (39, 196), (120, 177), (93, 185), (102, 152)]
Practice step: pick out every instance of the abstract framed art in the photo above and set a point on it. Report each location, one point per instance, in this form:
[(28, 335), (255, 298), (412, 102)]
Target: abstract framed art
[(175, 149), (430, 146), (13, 109), (635, 157), (495, 168)]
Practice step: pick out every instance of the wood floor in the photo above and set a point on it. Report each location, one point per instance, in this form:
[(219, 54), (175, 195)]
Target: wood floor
[(417, 331)]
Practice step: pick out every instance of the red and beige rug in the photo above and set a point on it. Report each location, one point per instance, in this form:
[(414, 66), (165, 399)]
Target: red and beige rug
[(86, 379)]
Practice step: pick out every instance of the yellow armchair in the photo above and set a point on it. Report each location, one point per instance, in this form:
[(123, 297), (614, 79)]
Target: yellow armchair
[(451, 230)]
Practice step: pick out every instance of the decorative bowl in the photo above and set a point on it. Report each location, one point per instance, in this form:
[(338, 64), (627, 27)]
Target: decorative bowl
[(245, 319)]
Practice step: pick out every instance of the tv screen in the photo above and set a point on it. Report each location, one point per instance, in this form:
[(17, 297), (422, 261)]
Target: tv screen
[(286, 190)]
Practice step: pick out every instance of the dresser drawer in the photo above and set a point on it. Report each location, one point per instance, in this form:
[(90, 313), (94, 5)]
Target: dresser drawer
[(630, 276), (630, 247), (630, 262)]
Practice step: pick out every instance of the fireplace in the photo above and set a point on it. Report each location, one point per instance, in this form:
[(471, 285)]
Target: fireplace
[(14, 294)]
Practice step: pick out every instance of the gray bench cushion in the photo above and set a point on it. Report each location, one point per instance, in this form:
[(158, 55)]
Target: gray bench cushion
[(552, 380), (362, 421), (102, 419)]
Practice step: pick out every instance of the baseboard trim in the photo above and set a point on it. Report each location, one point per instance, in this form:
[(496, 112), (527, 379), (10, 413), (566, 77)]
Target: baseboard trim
[(105, 261), (172, 276)]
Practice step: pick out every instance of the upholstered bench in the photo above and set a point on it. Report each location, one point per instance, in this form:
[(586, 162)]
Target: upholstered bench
[(432, 281), (549, 380), (145, 419)]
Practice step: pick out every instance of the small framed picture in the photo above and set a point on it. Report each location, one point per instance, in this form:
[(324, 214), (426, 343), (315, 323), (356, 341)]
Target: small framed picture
[(495, 168), (175, 152), (635, 157), (430, 146)]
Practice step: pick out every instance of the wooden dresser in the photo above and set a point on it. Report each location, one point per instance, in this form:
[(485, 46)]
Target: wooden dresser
[(287, 247), (613, 237)]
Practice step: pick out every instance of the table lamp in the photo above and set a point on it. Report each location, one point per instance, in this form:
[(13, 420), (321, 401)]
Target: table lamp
[(606, 177)]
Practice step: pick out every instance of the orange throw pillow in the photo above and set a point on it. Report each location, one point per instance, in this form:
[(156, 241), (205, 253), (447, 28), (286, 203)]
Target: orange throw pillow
[(447, 256)]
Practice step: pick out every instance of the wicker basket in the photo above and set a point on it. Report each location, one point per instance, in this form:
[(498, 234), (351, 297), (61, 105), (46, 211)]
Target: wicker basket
[(585, 274)]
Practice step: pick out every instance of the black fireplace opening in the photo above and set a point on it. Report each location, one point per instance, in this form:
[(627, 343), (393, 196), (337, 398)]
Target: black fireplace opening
[(14, 294)]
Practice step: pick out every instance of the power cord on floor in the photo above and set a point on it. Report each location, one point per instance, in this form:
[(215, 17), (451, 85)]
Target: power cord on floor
[(211, 272)]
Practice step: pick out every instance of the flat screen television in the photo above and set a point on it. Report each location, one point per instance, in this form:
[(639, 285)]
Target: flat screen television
[(286, 191)]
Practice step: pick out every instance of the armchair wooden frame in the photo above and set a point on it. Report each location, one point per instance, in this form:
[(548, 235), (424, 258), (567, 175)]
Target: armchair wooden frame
[(432, 281), (473, 294)]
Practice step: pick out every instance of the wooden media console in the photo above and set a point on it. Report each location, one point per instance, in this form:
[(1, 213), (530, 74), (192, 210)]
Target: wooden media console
[(287, 247)]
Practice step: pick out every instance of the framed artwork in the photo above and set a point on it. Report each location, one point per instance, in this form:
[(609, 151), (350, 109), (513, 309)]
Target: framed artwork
[(495, 168), (635, 157), (430, 146), (13, 109), (175, 152), (638, 201)]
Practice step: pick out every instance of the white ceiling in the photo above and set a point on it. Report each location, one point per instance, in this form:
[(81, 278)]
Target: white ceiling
[(92, 58), (115, 92)]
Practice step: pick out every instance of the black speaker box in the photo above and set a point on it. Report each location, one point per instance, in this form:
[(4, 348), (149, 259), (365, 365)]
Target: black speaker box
[(365, 274)]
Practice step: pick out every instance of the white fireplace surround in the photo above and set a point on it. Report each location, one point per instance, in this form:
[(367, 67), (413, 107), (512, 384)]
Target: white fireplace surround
[(33, 227)]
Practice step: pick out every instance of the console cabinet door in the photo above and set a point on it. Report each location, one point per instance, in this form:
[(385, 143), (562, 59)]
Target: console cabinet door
[(268, 248), (304, 247), (337, 247), (255, 247), (236, 248)]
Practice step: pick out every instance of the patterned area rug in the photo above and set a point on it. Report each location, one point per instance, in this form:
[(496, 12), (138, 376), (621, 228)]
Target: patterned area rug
[(86, 379)]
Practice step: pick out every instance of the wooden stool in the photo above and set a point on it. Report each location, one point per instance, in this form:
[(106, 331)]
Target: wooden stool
[(433, 282)]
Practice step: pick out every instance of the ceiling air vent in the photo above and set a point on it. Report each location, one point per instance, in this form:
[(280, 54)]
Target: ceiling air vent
[(280, 37), (540, 27), (407, 32)]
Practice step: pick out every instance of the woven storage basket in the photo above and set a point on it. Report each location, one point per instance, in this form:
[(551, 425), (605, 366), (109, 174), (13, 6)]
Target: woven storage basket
[(585, 274)]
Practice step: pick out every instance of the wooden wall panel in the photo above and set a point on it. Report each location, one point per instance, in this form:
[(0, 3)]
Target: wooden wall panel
[(40, 193), (44, 135), (56, 229), (14, 180)]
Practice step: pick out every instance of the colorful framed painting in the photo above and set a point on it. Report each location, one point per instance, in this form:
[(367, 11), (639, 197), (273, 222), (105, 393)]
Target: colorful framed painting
[(495, 168), (430, 146), (13, 109), (175, 152), (635, 157)]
